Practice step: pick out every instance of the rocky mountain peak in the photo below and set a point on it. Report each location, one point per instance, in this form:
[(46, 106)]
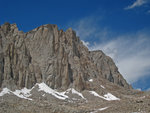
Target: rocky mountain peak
[(7, 27), (49, 55)]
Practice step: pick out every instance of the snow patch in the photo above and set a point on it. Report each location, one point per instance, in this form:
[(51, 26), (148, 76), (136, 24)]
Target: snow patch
[(107, 96), (5, 91), (73, 91), (101, 109), (46, 89), (110, 97), (23, 93), (95, 94), (91, 80), (102, 87), (78, 93)]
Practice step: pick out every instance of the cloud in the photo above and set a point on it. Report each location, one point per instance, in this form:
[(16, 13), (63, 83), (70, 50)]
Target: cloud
[(137, 3), (139, 89), (131, 52), (148, 11), (82, 27), (85, 43), (88, 28)]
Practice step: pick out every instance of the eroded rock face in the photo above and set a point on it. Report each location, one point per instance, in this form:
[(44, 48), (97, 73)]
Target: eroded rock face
[(53, 56)]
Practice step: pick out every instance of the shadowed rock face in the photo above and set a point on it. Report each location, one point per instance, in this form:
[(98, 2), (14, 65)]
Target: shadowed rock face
[(53, 56)]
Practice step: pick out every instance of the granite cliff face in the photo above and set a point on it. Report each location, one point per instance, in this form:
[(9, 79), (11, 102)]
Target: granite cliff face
[(53, 56)]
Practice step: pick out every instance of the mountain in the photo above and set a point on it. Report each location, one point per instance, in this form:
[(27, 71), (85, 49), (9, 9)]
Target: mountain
[(50, 68), (49, 55)]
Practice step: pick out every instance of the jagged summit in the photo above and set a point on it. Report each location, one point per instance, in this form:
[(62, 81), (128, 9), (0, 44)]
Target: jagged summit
[(49, 55)]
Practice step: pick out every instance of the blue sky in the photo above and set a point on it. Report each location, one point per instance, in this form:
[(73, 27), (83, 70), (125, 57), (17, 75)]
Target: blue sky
[(118, 27)]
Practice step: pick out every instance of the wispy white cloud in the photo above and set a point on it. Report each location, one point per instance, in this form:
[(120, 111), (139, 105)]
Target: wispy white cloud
[(148, 11), (139, 89), (88, 27), (130, 52), (83, 27), (137, 3), (86, 43)]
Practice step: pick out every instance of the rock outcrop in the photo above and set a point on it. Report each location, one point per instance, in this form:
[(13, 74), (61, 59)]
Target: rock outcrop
[(53, 56)]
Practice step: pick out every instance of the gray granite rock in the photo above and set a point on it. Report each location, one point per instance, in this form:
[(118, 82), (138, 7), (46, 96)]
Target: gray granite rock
[(49, 55)]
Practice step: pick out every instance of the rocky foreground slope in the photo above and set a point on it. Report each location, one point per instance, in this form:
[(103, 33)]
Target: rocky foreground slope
[(47, 70)]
